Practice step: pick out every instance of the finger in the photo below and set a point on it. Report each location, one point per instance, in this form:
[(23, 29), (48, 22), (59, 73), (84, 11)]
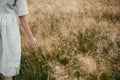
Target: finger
[(36, 44), (35, 48)]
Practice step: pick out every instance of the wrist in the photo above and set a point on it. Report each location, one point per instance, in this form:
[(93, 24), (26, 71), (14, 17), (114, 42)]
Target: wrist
[(30, 37)]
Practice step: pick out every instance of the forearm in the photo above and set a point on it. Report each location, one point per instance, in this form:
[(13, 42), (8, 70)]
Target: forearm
[(25, 26)]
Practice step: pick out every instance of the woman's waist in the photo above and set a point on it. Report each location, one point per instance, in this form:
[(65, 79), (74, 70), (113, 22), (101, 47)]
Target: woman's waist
[(7, 11), (7, 15)]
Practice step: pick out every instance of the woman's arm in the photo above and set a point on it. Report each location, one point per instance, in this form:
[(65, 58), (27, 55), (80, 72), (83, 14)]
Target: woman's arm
[(32, 41)]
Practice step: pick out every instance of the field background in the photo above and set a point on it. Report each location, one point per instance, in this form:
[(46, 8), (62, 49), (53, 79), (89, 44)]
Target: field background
[(78, 40)]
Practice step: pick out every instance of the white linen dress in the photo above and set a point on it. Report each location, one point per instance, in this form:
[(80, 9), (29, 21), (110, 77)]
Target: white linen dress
[(10, 40)]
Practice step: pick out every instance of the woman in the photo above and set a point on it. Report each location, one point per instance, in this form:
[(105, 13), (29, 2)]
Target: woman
[(10, 43)]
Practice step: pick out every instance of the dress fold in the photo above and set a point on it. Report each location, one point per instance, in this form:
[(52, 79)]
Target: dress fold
[(10, 44), (10, 40)]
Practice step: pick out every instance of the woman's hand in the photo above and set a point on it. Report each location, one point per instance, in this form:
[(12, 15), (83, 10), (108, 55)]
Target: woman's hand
[(32, 41), (33, 44)]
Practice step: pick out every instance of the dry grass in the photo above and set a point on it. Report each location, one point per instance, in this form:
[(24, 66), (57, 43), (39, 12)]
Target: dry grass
[(78, 40)]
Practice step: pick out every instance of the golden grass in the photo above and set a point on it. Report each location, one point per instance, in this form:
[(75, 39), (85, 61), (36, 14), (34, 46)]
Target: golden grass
[(80, 39)]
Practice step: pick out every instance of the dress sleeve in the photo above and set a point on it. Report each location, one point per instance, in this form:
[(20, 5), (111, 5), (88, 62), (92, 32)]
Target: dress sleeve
[(21, 7)]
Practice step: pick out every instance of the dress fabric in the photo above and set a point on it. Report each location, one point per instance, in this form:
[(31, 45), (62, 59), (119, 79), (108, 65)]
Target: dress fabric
[(10, 40)]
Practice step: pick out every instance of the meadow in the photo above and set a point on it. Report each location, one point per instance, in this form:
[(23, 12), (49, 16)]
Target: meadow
[(78, 40)]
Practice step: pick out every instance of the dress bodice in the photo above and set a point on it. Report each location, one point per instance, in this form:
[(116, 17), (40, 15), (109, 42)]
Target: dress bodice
[(14, 6)]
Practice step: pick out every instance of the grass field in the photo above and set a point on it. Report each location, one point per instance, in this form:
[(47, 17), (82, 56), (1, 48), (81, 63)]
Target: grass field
[(78, 40)]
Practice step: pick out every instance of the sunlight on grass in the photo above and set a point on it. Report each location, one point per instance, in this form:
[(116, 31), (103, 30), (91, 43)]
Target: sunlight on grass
[(78, 40)]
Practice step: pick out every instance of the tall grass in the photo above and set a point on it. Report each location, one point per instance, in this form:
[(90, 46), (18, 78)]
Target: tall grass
[(78, 40)]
